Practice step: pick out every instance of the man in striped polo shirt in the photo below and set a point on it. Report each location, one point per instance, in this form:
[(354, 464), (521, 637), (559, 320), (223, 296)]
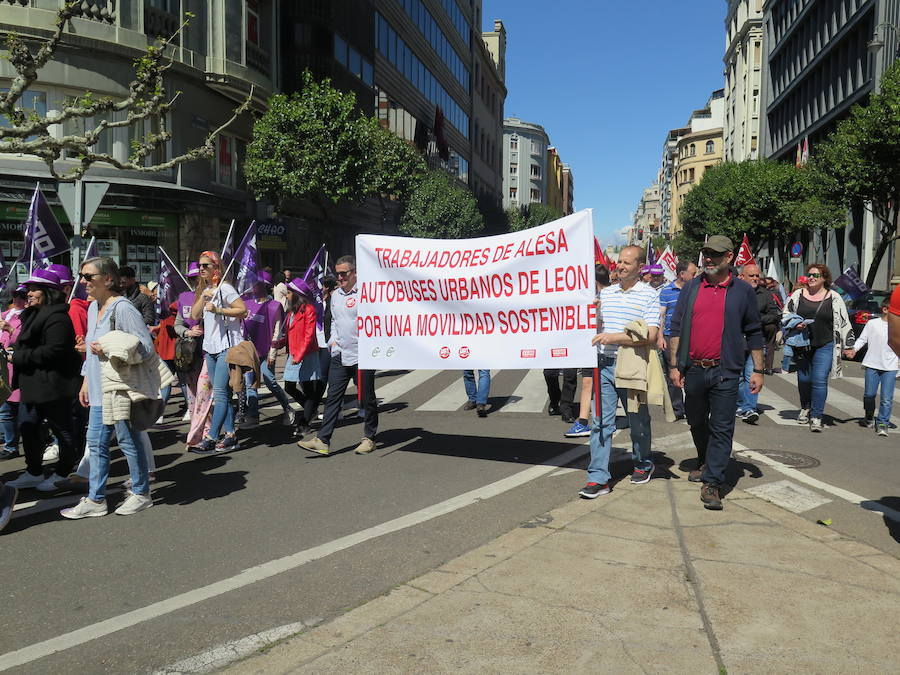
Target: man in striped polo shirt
[(628, 300)]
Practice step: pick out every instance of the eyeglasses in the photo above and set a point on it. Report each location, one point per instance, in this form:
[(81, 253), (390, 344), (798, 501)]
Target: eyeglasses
[(751, 275), (713, 254), (814, 275), (88, 276), (205, 265), (341, 275)]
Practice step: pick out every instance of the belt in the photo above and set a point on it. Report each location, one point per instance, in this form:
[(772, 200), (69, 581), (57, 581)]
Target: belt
[(705, 363)]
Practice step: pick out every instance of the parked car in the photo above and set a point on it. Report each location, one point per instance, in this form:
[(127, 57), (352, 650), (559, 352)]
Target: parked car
[(862, 310)]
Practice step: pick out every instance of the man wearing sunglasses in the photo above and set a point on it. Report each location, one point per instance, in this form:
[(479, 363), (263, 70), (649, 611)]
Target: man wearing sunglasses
[(715, 321), (344, 344)]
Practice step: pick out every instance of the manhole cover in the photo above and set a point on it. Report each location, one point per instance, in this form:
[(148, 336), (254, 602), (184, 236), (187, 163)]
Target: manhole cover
[(792, 459)]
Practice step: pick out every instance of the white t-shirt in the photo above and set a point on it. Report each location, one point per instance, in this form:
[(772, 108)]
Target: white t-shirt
[(878, 355), (221, 332)]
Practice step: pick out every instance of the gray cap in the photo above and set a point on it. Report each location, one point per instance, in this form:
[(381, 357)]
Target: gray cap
[(718, 243)]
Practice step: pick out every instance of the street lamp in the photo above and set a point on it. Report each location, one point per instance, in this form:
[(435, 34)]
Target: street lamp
[(877, 42)]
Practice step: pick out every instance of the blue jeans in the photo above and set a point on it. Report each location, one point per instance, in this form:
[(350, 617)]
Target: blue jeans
[(813, 369), (874, 378), (603, 427), (98, 438), (479, 394), (788, 355), (746, 401), (710, 397), (253, 394), (9, 413), (223, 413)]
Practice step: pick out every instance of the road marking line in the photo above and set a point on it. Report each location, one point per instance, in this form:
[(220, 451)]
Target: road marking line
[(530, 396), (789, 496), (272, 568), (452, 398), (405, 383), (846, 495), (777, 404), (861, 383), (843, 402)]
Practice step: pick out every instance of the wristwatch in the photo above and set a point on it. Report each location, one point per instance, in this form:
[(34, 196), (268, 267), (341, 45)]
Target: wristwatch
[(759, 372)]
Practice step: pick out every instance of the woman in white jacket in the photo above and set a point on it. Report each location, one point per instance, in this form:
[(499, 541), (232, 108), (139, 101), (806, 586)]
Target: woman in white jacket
[(101, 278), (829, 334)]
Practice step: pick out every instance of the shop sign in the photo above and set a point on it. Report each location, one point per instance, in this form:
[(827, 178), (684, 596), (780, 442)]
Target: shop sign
[(271, 236)]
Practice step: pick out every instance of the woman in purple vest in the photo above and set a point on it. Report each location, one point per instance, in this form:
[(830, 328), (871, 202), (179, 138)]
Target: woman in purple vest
[(185, 326)]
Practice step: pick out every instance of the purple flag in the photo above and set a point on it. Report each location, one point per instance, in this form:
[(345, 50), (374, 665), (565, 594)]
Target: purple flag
[(651, 253), (171, 284), (851, 283), (43, 235), (248, 259), (314, 275)]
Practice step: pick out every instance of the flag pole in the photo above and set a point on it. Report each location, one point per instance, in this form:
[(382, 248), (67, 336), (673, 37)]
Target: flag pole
[(175, 267), (72, 294), (227, 238)]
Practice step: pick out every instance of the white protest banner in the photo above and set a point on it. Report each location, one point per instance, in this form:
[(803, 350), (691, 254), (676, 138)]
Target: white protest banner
[(669, 262), (518, 300)]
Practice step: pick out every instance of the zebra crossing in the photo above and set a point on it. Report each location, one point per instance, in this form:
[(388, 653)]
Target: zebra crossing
[(525, 392)]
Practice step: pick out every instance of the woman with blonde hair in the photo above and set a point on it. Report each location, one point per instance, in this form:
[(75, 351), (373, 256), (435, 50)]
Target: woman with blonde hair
[(824, 317), (221, 309)]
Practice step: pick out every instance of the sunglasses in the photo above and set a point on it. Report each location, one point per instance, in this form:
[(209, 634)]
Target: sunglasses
[(88, 276), (341, 275), (814, 275), (206, 265), (713, 254)]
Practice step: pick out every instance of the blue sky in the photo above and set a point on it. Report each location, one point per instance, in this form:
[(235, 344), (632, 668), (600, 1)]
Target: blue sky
[(607, 79)]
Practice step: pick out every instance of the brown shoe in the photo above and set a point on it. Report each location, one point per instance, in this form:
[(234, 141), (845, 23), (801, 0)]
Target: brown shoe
[(470, 405), (314, 445), (709, 495), (482, 410), (694, 476)]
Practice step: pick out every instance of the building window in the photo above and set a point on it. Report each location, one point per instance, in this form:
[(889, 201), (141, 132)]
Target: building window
[(253, 22), (753, 143), (340, 50), (535, 195), (514, 169), (514, 143), (352, 60), (710, 147), (536, 147), (226, 160), (535, 170), (692, 150), (513, 193), (690, 175)]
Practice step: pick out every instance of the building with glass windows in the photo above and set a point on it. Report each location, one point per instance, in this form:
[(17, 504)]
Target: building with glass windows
[(524, 163), (226, 49)]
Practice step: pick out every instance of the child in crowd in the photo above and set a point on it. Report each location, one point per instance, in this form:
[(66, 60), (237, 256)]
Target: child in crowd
[(880, 364)]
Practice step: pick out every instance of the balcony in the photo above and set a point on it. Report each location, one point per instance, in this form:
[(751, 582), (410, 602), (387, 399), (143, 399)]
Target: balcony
[(258, 59), (159, 23)]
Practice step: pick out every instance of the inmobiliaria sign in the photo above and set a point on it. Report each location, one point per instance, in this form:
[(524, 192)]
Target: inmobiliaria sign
[(518, 300)]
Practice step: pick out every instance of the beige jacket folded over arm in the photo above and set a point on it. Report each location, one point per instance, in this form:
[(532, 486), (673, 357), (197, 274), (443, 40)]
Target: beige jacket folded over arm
[(639, 371)]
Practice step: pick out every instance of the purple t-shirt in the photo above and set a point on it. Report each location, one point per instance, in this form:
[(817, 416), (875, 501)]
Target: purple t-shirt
[(185, 302), (260, 323)]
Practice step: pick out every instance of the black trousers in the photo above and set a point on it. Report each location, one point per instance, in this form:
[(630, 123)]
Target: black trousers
[(339, 377), (675, 393), (565, 397), (58, 416), (710, 399)]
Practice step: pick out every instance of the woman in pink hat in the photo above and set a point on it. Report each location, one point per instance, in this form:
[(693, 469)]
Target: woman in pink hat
[(48, 374)]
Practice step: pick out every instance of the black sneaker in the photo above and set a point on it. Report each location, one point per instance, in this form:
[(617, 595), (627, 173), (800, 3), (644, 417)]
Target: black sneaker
[(553, 410), (594, 490), (709, 495), (482, 410), (207, 447), (639, 476), (8, 454), (751, 417)]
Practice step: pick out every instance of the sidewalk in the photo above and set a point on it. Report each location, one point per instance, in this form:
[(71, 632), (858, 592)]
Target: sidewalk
[(641, 580)]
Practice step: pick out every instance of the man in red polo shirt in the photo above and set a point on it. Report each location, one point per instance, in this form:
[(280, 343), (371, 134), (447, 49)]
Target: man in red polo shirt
[(715, 322)]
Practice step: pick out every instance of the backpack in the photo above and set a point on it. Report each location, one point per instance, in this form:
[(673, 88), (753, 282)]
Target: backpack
[(187, 353)]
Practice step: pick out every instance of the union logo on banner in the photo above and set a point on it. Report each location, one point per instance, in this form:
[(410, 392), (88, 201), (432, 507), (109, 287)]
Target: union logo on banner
[(668, 260), (745, 255)]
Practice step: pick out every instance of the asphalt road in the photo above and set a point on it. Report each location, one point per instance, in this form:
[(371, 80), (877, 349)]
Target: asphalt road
[(139, 593)]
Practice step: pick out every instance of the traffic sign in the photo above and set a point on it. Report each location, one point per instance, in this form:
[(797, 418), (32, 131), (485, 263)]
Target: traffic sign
[(80, 200), (796, 250)]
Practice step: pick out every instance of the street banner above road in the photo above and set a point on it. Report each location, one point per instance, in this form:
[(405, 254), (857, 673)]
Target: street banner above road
[(518, 300)]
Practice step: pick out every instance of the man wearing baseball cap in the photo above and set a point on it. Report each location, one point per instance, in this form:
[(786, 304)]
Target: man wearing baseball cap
[(715, 319), (657, 276)]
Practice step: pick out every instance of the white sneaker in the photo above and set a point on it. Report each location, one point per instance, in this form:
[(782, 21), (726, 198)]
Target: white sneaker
[(803, 416), (187, 416), (85, 508), (49, 484), (134, 503), (26, 480), (51, 454), (815, 424)]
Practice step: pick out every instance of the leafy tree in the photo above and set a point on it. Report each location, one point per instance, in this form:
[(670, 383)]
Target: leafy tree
[(685, 247), (395, 166), (861, 161), (761, 198), (312, 144), (530, 215), (30, 133), (441, 209)]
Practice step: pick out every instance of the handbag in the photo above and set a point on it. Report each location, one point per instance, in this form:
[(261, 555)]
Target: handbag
[(187, 353)]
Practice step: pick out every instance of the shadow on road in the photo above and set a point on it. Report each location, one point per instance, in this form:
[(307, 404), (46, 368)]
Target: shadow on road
[(879, 505)]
